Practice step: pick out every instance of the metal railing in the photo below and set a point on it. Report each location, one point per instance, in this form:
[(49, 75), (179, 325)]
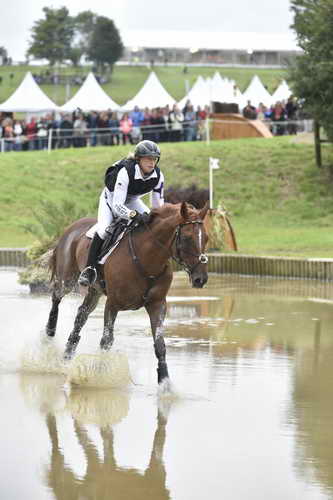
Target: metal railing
[(58, 138)]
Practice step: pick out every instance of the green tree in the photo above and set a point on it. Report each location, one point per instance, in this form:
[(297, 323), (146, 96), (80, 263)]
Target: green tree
[(105, 45), (83, 29), (312, 73), (52, 37)]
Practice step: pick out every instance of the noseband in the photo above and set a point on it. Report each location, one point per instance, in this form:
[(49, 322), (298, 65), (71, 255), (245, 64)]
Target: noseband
[(202, 258)]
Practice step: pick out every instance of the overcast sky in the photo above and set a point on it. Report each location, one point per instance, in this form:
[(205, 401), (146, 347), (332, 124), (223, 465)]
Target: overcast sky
[(265, 16)]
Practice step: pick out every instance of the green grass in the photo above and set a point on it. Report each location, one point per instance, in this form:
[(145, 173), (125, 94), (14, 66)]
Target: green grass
[(279, 201), (126, 81)]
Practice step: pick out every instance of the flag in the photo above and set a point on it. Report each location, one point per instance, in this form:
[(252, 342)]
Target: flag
[(214, 163)]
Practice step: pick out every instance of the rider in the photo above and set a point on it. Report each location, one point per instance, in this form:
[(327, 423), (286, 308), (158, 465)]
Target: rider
[(125, 182)]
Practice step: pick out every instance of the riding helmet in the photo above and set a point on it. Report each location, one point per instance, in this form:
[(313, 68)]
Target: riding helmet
[(147, 148)]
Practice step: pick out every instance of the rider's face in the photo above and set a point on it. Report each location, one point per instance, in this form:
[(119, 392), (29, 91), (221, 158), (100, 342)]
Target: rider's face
[(147, 164)]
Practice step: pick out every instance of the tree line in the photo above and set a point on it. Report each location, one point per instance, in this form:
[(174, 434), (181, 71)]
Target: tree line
[(59, 37)]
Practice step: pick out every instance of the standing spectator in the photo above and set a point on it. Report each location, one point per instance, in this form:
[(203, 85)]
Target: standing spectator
[(126, 127), (261, 111), (42, 133), (114, 129), (176, 119), (164, 136), (31, 132), (103, 132), (80, 130), (278, 115), (66, 131), (92, 125), (190, 130), (202, 115), (145, 124), (18, 135), (250, 111), (137, 118), (291, 112), (8, 134)]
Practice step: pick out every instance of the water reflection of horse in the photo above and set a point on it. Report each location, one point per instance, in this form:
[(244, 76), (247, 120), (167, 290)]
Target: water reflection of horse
[(138, 273), (104, 478)]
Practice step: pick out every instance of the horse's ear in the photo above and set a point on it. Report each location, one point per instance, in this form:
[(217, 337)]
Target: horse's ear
[(204, 210), (184, 211)]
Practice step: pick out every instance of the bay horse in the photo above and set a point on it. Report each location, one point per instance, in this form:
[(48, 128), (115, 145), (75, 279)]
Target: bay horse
[(137, 274)]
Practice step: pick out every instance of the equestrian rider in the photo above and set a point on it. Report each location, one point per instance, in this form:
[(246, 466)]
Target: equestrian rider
[(125, 182)]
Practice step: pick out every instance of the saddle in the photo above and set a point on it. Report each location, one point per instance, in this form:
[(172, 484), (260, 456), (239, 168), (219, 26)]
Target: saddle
[(115, 232)]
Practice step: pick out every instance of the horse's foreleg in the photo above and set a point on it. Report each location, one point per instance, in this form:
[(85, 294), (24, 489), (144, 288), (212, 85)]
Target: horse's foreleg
[(157, 312), (87, 306), (110, 315)]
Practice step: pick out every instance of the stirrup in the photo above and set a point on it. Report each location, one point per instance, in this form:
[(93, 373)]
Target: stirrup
[(87, 278)]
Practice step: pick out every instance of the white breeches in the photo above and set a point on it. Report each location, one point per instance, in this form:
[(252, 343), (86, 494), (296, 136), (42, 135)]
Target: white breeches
[(105, 215)]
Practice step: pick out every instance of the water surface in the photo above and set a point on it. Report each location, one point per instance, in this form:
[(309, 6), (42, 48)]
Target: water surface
[(251, 362)]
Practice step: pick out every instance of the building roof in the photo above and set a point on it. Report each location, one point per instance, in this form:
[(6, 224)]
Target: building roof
[(210, 40)]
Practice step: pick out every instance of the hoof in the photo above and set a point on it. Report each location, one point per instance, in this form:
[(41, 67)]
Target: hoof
[(68, 355), (50, 333), (105, 343)]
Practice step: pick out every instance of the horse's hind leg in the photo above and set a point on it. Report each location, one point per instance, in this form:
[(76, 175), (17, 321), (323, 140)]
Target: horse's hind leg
[(59, 292), (110, 315), (87, 306), (157, 312)]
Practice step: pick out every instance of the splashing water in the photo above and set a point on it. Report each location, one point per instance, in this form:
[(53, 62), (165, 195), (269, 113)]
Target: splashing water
[(104, 370), (43, 357)]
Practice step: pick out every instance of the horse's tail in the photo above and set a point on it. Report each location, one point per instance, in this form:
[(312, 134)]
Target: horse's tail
[(52, 264)]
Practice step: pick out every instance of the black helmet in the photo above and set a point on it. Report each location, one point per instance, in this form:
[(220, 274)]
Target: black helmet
[(147, 148)]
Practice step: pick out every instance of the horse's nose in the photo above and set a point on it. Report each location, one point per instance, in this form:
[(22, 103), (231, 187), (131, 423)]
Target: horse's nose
[(199, 282)]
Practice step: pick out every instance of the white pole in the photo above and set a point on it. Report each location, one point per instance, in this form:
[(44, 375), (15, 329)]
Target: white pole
[(49, 142), (213, 165), (2, 145), (207, 131), (210, 185)]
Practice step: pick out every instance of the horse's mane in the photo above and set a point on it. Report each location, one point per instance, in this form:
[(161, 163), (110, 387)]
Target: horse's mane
[(169, 209)]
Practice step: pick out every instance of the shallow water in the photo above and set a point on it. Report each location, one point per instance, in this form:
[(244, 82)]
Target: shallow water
[(249, 414)]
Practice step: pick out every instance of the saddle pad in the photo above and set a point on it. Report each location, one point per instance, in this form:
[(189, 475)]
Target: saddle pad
[(115, 244)]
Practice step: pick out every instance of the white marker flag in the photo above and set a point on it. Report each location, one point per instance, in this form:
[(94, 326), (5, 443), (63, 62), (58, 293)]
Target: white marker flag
[(214, 163)]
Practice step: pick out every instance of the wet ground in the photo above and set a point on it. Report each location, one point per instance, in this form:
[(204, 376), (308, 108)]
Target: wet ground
[(250, 415)]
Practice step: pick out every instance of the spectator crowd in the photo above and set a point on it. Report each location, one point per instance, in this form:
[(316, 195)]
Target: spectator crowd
[(109, 128)]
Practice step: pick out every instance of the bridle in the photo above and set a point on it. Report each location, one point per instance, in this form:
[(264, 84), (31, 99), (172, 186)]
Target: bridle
[(202, 258)]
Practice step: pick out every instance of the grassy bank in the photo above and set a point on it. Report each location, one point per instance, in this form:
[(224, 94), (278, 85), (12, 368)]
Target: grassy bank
[(280, 203), (126, 81)]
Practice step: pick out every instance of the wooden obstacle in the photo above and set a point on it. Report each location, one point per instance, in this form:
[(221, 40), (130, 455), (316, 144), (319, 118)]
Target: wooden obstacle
[(235, 126)]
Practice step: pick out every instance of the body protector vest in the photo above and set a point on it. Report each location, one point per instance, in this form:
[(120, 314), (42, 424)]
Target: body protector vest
[(136, 187)]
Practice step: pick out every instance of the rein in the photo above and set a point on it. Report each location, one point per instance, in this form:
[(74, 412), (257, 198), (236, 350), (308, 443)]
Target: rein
[(151, 279)]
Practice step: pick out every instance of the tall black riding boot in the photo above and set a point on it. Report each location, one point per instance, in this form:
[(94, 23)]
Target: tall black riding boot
[(89, 274)]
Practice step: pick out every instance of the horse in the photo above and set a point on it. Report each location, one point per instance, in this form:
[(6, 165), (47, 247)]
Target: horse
[(137, 274)]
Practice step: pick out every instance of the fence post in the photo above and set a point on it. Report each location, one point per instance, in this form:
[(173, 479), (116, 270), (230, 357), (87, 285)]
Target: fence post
[(207, 124), (316, 127), (49, 142), (2, 145)]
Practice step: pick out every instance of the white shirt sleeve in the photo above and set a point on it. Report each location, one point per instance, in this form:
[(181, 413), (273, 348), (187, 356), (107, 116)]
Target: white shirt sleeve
[(158, 193), (120, 194)]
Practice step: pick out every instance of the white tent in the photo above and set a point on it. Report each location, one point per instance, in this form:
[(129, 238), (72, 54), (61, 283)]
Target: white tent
[(224, 90), (199, 95), (151, 95), (282, 92), (28, 98), (90, 97), (256, 93)]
